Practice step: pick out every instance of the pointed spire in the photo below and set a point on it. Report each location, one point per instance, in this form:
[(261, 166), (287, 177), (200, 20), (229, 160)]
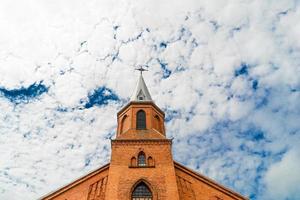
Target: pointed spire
[(141, 92)]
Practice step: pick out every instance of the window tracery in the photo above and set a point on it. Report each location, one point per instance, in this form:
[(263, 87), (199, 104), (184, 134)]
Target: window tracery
[(141, 192)]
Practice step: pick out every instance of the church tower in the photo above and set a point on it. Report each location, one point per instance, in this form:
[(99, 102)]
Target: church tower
[(141, 158), (141, 165)]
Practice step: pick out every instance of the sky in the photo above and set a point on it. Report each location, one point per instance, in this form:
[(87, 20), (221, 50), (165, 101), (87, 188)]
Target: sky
[(226, 73)]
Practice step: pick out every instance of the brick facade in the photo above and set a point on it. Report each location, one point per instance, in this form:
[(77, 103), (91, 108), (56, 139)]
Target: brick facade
[(160, 175)]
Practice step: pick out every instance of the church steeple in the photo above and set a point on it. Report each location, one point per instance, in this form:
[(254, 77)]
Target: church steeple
[(141, 118), (141, 92), (141, 164), (141, 156)]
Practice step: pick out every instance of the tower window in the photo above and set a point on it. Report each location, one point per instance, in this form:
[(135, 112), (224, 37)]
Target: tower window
[(141, 120), (157, 124), (141, 159), (124, 125), (141, 192)]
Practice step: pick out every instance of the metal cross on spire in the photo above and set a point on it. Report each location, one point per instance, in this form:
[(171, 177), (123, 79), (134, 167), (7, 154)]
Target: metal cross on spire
[(141, 68)]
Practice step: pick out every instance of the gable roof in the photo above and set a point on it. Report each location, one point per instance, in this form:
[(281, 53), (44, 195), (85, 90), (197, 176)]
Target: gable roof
[(209, 181), (75, 183)]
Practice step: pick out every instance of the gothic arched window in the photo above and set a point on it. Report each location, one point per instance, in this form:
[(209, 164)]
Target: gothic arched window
[(123, 124), (133, 161), (157, 124), (142, 159), (141, 192), (150, 161), (141, 120)]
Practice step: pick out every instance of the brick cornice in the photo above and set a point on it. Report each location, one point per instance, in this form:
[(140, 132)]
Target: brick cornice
[(141, 141), (141, 103)]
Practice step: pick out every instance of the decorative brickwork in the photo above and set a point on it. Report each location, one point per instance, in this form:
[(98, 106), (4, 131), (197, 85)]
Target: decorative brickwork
[(160, 177), (148, 160), (194, 185), (215, 198), (97, 190), (85, 188), (185, 189)]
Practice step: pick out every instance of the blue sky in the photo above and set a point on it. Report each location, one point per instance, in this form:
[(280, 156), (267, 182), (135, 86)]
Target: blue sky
[(226, 73)]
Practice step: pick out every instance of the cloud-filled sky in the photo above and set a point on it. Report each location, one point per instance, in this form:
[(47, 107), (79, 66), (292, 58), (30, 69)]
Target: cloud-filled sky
[(226, 73)]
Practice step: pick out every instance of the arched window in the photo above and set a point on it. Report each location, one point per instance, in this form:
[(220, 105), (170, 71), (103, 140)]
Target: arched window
[(141, 159), (133, 161), (141, 120), (157, 124), (123, 124), (141, 192), (150, 161)]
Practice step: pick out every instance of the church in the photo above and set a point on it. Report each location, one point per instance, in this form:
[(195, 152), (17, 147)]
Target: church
[(141, 165)]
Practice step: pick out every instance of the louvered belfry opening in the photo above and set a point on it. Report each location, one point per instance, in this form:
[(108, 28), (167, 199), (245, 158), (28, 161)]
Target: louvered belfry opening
[(141, 192), (141, 120)]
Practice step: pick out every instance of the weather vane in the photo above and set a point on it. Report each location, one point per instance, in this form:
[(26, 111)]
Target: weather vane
[(141, 68)]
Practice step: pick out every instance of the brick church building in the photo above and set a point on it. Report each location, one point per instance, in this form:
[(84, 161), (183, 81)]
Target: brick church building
[(141, 165)]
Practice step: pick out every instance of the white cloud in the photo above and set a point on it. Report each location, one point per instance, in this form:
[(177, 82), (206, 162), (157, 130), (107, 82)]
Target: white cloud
[(218, 119), (283, 178)]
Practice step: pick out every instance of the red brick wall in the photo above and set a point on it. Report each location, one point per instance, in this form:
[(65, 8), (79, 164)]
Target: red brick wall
[(160, 177), (129, 125)]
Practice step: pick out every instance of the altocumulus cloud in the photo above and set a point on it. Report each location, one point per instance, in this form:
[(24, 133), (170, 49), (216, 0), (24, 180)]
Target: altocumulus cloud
[(225, 72)]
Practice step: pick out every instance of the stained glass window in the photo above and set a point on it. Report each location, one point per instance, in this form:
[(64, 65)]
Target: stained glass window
[(141, 192)]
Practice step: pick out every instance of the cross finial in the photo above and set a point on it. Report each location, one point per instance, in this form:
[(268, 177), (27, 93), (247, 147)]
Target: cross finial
[(141, 68)]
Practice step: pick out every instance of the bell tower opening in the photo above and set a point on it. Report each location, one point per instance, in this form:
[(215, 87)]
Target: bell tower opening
[(141, 192), (141, 120), (124, 124)]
